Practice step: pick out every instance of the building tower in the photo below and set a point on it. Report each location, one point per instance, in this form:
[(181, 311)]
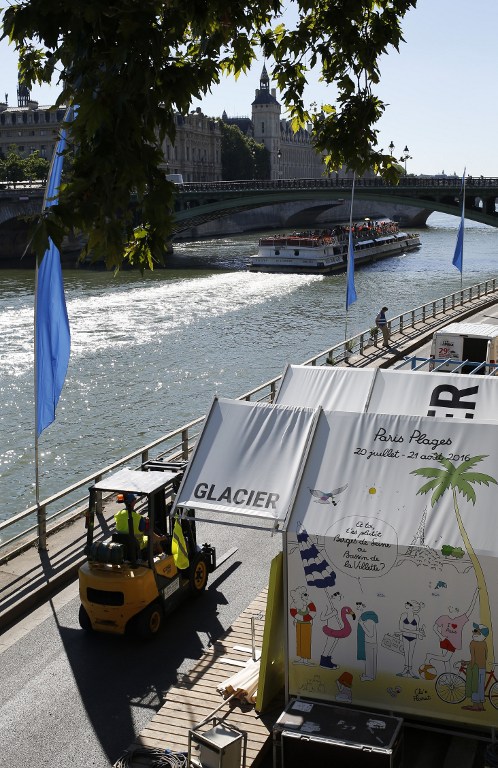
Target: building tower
[(23, 95), (266, 112)]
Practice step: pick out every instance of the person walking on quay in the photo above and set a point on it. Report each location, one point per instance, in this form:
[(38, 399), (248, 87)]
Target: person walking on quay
[(381, 322)]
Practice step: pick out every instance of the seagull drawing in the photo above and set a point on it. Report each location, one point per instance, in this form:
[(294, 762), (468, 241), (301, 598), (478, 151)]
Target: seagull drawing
[(327, 497)]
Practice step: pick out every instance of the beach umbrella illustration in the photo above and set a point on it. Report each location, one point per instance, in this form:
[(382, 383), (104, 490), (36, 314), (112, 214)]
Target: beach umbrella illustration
[(319, 573)]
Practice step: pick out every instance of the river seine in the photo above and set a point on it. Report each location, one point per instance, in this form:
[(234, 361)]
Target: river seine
[(149, 353)]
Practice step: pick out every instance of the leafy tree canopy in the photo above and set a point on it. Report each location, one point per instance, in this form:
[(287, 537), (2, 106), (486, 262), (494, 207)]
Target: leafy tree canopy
[(241, 156), (130, 65), (14, 167)]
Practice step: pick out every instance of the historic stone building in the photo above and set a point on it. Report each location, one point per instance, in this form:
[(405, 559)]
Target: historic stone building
[(29, 126), (196, 152), (292, 154)]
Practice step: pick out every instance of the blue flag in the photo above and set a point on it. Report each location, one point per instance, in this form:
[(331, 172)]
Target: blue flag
[(350, 289), (458, 255), (52, 335)]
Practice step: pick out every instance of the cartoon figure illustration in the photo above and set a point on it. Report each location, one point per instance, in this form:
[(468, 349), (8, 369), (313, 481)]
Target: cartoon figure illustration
[(461, 479), (327, 497), (366, 640), (448, 628), (302, 610), (409, 625), (476, 668), (336, 627), (344, 684)]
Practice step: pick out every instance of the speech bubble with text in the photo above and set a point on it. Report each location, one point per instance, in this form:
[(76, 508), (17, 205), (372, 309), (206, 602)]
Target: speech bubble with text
[(362, 547)]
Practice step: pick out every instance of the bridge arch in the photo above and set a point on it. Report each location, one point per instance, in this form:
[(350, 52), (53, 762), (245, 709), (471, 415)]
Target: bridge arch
[(200, 203)]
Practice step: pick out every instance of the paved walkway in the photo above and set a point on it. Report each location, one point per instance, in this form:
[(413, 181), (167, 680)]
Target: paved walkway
[(31, 577)]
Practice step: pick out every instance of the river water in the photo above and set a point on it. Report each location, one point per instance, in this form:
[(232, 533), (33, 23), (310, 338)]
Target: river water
[(149, 353)]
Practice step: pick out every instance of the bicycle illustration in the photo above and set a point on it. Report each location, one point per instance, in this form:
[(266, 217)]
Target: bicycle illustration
[(450, 686)]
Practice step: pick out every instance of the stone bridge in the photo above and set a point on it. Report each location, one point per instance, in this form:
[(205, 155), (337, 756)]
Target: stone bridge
[(20, 200), (198, 203)]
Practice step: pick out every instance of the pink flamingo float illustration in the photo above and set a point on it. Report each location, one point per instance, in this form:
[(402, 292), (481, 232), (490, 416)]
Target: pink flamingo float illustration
[(336, 627)]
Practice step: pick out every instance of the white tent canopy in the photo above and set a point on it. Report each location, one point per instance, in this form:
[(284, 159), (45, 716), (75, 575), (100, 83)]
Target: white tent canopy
[(247, 461), (378, 566), (419, 393), (333, 388)]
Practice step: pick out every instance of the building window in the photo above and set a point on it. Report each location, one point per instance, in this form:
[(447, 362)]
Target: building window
[(262, 127)]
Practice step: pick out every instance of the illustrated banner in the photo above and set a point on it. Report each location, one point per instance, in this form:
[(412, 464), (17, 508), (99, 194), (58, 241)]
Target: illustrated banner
[(392, 567), (247, 460), (443, 395)]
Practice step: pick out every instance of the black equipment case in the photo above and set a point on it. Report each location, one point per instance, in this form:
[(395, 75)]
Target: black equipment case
[(312, 734)]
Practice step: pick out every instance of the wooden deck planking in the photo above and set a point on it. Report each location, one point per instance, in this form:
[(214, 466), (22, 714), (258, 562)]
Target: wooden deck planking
[(195, 696)]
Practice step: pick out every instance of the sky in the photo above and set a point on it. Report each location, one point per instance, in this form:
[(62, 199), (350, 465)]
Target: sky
[(440, 89)]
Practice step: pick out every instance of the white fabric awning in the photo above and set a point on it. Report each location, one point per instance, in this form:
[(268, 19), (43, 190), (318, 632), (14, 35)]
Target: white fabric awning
[(412, 393), (247, 461)]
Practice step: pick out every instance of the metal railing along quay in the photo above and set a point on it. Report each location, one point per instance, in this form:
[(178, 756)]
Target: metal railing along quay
[(35, 523)]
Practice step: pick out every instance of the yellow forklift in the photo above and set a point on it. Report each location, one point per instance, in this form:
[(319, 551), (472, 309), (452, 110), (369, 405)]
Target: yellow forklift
[(125, 587)]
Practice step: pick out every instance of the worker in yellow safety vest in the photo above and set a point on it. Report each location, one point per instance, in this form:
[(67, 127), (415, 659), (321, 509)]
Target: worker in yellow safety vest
[(179, 546), (139, 522)]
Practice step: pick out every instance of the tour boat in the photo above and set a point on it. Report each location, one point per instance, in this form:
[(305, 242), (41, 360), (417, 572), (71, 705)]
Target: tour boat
[(323, 252)]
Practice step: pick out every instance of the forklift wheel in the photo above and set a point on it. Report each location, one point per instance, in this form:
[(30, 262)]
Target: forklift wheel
[(149, 621), (198, 575), (84, 620)]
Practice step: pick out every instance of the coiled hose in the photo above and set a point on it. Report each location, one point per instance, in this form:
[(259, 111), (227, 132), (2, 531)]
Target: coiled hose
[(159, 758)]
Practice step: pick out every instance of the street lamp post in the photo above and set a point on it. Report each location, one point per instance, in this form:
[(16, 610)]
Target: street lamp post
[(279, 158), (391, 148), (406, 156)]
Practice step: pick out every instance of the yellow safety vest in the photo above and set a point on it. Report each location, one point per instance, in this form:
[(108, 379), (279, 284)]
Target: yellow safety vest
[(121, 520), (179, 547)]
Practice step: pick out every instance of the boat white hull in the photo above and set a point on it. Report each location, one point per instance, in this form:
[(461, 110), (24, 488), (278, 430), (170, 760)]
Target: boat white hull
[(322, 260)]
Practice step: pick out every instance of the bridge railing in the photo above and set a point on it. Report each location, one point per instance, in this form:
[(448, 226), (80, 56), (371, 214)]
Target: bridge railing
[(334, 182), (23, 529)]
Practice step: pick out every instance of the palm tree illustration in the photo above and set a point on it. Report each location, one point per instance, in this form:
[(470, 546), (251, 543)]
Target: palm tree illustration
[(461, 480)]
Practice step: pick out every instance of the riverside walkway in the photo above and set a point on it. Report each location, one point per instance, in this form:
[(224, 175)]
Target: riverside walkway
[(29, 576)]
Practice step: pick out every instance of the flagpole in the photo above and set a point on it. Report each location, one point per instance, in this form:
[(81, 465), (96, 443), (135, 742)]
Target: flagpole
[(458, 255), (463, 224), (350, 266), (41, 516)]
